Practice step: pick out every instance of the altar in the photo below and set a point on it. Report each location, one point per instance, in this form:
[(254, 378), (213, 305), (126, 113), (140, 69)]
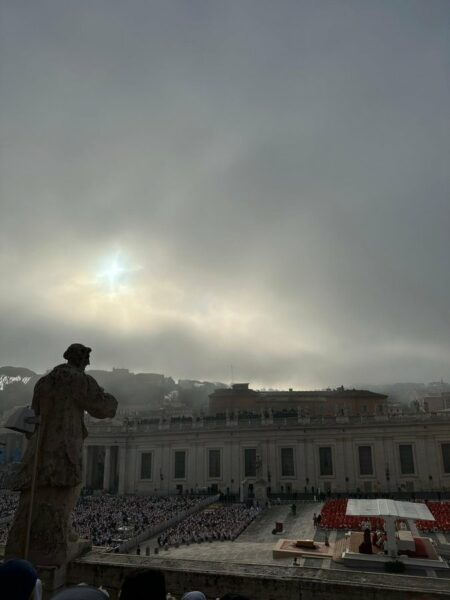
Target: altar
[(404, 545), (405, 542)]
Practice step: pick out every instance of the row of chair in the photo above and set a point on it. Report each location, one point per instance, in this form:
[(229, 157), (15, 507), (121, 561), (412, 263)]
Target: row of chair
[(333, 516)]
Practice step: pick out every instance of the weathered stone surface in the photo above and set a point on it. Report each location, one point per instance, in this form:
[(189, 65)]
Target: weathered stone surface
[(262, 582), (60, 398)]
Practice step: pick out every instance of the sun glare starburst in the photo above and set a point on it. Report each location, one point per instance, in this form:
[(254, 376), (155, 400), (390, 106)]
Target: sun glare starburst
[(115, 275)]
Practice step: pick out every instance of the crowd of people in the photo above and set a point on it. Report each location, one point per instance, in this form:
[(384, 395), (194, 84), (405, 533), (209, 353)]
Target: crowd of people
[(109, 520), (105, 518), (218, 523), (8, 504)]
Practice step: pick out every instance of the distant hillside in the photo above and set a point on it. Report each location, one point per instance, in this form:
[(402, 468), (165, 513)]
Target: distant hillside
[(142, 391), (16, 372), (155, 391), (134, 391)]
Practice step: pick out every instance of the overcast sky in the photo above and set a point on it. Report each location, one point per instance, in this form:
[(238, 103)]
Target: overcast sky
[(230, 189)]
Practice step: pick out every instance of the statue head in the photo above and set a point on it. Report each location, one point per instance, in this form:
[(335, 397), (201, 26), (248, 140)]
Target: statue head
[(77, 355)]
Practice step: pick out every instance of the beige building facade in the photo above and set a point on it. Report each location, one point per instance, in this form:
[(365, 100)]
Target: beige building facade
[(377, 454), (325, 403)]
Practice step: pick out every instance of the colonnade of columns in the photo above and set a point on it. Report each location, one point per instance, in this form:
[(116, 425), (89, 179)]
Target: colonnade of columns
[(114, 460), (104, 468)]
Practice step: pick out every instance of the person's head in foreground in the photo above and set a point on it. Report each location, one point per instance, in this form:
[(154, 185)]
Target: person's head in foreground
[(195, 595), (144, 584), (80, 592), (19, 581)]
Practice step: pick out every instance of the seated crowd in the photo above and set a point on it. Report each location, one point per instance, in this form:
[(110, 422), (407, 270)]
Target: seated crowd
[(107, 518), (100, 516), (8, 504), (222, 523)]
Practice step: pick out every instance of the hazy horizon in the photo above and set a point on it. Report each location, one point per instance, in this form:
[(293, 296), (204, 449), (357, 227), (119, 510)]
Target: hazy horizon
[(193, 187), (252, 385)]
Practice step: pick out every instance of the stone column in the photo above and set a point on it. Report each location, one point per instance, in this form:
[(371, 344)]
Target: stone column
[(85, 466), (413, 528), (122, 470), (89, 459), (242, 490), (107, 469), (389, 525)]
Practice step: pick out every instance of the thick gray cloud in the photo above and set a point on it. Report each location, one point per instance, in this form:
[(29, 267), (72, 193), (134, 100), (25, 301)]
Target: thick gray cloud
[(273, 176)]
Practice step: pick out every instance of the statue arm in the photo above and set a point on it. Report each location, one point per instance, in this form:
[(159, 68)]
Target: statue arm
[(99, 404)]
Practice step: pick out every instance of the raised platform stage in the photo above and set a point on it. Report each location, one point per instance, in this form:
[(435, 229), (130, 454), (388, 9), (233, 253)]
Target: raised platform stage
[(425, 555), (289, 548)]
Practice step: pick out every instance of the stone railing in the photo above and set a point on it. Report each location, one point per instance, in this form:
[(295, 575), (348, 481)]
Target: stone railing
[(265, 581), (140, 426)]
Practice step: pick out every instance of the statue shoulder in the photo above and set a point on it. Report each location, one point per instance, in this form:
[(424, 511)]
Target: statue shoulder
[(60, 375), (92, 381)]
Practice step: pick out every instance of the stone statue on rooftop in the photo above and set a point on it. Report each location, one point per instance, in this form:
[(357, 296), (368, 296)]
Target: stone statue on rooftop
[(60, 399)]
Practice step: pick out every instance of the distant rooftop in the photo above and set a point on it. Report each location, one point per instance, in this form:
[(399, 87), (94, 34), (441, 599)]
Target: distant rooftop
[(289, 394)]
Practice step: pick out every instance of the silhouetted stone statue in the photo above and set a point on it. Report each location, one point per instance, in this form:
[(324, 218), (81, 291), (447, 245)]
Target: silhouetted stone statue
[(60, 399)]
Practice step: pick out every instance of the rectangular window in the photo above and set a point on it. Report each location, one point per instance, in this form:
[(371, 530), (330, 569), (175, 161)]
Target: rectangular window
[(287, 462), (406, 459), (326, 461), (180, 464), (146, 465), (214, 464), (365, 460), (446, 457), (250, 462)]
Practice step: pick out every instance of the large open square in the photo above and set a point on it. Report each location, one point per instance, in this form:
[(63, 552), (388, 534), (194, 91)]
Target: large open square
[(255, 545)]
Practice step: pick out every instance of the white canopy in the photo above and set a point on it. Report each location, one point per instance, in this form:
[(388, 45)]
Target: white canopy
[(388, 508)]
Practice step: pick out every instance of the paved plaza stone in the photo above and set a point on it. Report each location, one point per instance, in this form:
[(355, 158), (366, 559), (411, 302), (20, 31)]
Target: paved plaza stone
[(256, 543)]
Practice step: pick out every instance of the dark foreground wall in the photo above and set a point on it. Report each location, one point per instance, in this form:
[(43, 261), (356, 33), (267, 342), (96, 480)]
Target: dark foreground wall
[(258, 582)]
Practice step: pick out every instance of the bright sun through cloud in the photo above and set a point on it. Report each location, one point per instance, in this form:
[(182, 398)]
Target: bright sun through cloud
[(114, 274)]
